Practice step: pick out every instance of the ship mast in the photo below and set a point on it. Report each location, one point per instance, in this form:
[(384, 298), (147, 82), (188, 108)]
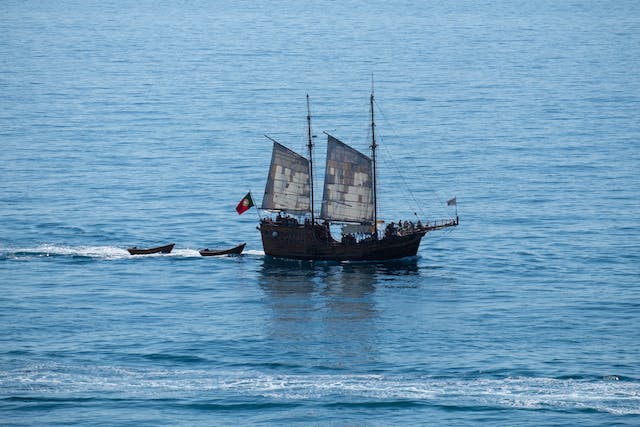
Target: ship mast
[(373, 159), (310, 145)]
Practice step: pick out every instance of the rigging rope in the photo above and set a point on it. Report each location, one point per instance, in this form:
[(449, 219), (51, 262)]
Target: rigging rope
[(415, 167)]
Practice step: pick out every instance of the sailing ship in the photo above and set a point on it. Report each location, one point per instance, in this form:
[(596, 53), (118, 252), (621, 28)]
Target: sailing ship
[(349, 200)]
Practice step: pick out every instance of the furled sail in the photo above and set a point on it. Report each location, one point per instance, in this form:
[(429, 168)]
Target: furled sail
[(348, 184), (287, 186)]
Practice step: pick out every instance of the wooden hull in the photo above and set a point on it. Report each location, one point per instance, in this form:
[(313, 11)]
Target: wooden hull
[(159, 249), (217, 252), (313, 243)]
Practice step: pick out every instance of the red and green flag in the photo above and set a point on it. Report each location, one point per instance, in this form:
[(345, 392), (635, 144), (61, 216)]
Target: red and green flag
[(244, 204)]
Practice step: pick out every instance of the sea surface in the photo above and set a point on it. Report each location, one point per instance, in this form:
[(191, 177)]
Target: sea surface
[(141, 123)]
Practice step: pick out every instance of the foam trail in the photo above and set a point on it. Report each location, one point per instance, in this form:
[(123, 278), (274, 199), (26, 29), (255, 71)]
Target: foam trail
[(96, 252), (507, 393), (48, 250), (180, 252)]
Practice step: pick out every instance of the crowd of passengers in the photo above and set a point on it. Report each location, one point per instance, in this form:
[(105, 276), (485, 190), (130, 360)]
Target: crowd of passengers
[(287, 220), (392, 229), (401, 228)]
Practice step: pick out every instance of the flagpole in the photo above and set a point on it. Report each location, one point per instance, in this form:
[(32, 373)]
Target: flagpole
[(456, 200), (257, 208)]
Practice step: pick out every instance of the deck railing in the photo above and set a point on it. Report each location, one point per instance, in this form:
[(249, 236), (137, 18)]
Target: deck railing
[(441, 223)]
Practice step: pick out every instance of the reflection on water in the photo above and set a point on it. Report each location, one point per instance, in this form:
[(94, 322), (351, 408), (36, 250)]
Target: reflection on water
[(325, 313)]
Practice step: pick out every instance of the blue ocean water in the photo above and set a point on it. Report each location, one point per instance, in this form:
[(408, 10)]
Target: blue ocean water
[(141, 123)]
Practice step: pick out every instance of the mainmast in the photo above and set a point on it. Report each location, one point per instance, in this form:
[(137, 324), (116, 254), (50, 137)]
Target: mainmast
[(373, 159), (310, 145)]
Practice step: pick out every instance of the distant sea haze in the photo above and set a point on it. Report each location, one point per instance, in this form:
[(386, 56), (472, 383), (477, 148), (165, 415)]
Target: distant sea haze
[(142, 124)]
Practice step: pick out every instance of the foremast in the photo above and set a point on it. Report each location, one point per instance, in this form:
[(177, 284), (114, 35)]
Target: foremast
[(373, 161)]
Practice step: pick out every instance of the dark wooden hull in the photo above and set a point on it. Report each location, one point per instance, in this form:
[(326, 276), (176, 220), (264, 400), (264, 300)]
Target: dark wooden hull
[(217, 252), (159, 249), (313, 243)]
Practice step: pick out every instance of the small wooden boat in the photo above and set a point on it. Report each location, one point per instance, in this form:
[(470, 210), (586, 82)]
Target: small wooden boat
[(159, 249), (237, 250)]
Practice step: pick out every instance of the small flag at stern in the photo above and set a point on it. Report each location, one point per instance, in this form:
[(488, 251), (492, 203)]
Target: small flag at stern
[(244, 204), (452, 202)]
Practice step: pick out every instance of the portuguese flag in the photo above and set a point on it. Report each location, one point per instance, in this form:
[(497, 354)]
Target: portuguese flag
[(244, 204)]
